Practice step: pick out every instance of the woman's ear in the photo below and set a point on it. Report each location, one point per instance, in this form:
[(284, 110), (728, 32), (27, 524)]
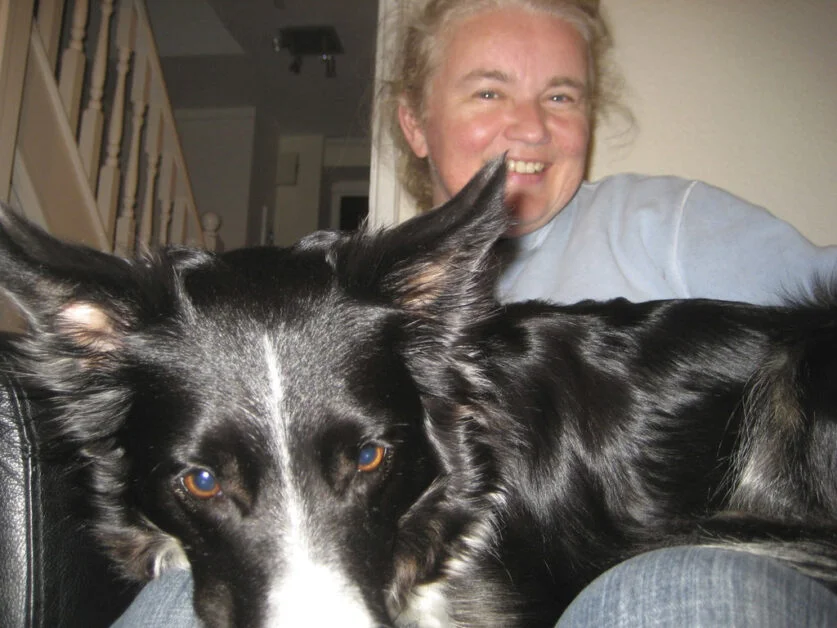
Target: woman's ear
[(412, 129)]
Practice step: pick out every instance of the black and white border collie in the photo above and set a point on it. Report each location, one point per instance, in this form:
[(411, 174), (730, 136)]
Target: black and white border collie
[(352, 432)]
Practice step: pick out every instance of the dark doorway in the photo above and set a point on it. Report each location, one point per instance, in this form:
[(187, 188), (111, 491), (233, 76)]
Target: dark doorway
[(353, 211)]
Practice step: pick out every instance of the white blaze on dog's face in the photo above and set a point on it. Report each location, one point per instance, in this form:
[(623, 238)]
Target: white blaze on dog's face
[(309, 591), (312, 594)]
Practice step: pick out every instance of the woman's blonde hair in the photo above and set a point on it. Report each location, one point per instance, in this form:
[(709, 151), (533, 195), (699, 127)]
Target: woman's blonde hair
[(421, 42)]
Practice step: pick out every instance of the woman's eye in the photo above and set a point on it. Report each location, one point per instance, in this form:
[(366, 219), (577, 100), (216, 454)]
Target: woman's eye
[(201, 483), (487, 94), (370, 457)]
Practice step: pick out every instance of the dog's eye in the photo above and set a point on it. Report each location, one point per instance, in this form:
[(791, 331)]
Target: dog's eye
[(370, 457), (201, 483)]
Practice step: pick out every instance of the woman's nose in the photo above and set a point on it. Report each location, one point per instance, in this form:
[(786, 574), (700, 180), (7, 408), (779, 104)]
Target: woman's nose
[(527, 124)]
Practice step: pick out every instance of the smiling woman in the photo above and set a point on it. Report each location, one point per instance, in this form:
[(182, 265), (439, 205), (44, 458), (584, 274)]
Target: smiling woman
[(700, 111), (576, 78), (473, 79), (482, 101)]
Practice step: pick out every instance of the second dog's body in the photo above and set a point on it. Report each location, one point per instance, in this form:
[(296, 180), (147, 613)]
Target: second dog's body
[(352, 431), (596, 432)]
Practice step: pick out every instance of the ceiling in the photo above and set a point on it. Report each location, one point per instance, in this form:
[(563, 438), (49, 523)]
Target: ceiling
[(219, 53)]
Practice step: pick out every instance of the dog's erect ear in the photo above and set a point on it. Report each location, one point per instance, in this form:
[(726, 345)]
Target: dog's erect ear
[(82, 296), (439, 264)]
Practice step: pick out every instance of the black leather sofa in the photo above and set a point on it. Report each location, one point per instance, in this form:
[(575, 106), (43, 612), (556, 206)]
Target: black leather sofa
[(51, 574)]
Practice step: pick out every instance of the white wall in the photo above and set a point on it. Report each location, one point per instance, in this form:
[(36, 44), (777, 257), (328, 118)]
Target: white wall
[(218, 147), (742, 94), (298, 203)]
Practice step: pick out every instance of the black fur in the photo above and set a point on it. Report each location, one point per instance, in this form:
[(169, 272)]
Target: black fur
[(526, 448)]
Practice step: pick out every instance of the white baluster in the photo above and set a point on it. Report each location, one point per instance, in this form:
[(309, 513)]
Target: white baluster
[(107, 195), (211, 223), (194, 230), (73, 63), (182, 208), (166, 190), (93, 120), (50, 15), (126, 226), (153, 140)]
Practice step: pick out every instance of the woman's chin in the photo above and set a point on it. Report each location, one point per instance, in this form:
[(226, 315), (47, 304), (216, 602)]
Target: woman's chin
[(526, 220)]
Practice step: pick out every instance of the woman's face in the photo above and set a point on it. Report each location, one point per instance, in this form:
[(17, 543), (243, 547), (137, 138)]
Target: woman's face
[(510, 81)]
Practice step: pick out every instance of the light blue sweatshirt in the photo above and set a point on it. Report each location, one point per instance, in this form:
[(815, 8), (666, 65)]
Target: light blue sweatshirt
[(649, 238)]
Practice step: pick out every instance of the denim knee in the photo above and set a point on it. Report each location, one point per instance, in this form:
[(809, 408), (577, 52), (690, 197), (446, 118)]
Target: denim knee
[(166, 601), (700, 586)]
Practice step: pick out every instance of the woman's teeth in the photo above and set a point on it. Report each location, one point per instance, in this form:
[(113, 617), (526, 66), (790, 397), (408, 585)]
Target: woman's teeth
[(524, 167)]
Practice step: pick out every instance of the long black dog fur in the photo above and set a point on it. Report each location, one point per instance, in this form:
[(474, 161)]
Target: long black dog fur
[(524, 448)]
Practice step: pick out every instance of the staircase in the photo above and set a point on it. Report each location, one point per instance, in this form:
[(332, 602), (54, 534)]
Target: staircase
[(88, 145)]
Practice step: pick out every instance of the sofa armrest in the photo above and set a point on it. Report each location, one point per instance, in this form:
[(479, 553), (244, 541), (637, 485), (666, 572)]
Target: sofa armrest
[(51, 573)]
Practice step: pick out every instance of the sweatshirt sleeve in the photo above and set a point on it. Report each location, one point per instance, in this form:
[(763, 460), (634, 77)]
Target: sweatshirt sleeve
[(727, 248)]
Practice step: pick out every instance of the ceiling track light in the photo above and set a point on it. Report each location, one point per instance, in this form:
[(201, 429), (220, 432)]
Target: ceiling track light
[(303, 41)]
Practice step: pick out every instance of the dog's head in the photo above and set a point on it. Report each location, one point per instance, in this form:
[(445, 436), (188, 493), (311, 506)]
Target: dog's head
[(272, 417)]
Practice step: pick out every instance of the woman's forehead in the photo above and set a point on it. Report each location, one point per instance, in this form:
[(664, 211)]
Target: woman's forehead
[(503, 44)]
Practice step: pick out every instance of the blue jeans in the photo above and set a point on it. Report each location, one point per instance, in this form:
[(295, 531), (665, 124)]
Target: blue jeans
[(683, 586), (699, 586)]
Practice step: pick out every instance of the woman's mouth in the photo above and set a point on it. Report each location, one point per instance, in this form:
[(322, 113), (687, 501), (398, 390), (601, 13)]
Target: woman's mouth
[(520, 166)]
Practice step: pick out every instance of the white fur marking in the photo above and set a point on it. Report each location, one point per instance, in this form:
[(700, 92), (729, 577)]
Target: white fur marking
[(308, 592), (312, 594), (88, 324), (290, 492)]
